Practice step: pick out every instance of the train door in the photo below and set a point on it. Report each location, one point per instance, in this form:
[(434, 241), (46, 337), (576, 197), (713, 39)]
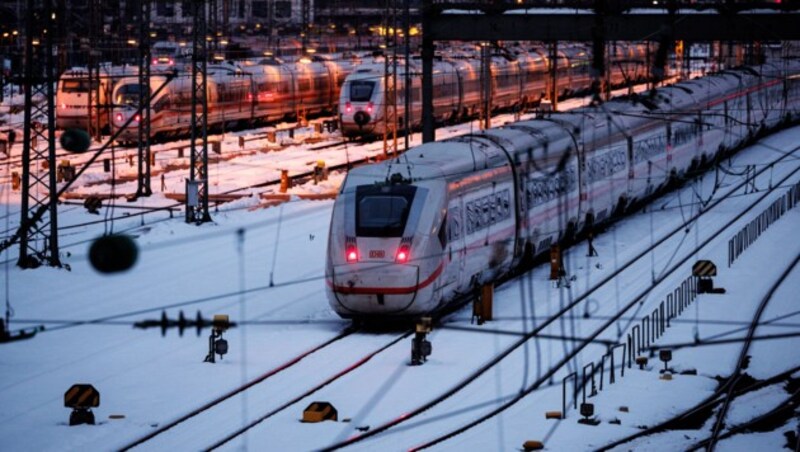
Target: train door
[(455, 249)]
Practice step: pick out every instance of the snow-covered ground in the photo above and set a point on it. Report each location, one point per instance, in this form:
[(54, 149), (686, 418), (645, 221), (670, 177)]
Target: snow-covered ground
[(264, 268)]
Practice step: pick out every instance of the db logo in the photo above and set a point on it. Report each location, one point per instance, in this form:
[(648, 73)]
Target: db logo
[(377, 254)]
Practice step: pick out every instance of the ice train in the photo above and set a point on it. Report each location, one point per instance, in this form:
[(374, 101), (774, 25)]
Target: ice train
[(409, 234), (238, 95), (519, 77)]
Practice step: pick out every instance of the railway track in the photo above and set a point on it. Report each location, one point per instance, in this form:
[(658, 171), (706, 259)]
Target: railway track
[(734, 386), (230, 396), (678, 263)]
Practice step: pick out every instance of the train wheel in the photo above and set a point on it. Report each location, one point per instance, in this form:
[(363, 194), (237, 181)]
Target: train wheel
[(621, 205), (588, 225), (528, 256), (569, 234)]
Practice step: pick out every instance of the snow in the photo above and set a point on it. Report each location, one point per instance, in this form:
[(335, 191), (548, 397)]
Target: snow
[(265, 266)]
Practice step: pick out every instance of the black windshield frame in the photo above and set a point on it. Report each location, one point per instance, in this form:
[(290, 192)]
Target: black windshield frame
[(382, 211), (361, 90)]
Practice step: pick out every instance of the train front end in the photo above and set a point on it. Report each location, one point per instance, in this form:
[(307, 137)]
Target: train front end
[(126, 97), (359, 102), (385, 251)]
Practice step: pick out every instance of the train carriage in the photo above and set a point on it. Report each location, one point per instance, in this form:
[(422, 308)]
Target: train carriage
[(411, 234), (75, 92), (237, 95)]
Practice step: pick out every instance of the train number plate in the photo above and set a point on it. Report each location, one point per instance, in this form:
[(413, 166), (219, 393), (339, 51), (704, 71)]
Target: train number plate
[(377, 254)]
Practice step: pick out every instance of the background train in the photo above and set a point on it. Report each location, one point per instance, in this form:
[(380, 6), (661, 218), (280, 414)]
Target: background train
[(519, 77), (410, 234), (72, 96), (238, 95)]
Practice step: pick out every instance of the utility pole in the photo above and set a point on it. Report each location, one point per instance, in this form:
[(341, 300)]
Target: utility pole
[(305, 26), (486, 86), (93, 66), (197, 185), (390, 80), (39, 239), (554, 75), (143, 167), (428, 129), (407, 79)]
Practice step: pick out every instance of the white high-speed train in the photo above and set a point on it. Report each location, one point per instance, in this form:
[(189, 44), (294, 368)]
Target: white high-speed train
[(73, 96), (409, 234), (519, 77), (237, 95)]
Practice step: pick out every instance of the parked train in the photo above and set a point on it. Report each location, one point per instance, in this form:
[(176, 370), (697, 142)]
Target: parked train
[(409, 234), (519, 77), (237, 95), (73, 96)]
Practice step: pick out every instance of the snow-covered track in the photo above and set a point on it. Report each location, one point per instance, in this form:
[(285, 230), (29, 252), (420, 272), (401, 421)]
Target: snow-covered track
[(217, 401), (741, 362), (568, 309)]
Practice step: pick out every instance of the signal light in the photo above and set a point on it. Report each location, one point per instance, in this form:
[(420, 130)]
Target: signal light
[(348, 107), (352, 254), (403, 254)]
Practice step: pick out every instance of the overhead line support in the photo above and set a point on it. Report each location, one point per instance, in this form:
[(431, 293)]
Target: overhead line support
[(197, 185), (143, 187), (39, 238)]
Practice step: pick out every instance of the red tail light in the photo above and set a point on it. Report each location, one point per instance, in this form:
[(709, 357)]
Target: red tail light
[(351, 254), (369, 107), (119, 117), (155, 60), (403, 253), (137, 118), (348, 107), (171, 61)]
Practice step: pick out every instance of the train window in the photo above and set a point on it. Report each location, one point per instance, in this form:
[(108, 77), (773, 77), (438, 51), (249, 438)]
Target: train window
[(361, 91), (129, 95), (382, 211), (76, 86)]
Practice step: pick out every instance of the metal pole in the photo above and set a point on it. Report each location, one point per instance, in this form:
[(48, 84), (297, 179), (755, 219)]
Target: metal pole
[(407, 79), (143, 187), (428, 129), (199, 122), (39, 241)]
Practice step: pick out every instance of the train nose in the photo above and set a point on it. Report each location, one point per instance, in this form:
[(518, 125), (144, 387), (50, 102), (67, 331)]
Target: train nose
[(375, 287), (361, 118)]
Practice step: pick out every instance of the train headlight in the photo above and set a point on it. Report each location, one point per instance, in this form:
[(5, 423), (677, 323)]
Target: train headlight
[(137, 118), (348, 107), (118, 117), (351, 254), (403, 253), (369, 107)]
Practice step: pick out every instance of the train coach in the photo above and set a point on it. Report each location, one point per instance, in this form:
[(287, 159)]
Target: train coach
[(519, 77), (410, 234), (74, 94), (238, 95)]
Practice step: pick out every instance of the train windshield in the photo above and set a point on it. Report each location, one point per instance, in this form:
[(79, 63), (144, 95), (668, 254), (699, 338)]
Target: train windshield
[(76, 86), (382, 211), (129, 95), (361, 91)]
